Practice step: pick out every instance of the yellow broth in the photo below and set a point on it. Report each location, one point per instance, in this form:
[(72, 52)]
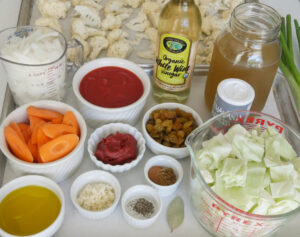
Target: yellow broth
[(28, 210)]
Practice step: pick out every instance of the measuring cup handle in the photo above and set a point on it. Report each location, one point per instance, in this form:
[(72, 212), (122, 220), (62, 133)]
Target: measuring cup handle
[(75, 54)]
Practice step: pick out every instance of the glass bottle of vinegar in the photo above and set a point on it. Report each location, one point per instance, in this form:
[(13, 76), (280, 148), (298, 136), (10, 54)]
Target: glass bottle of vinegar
[(249, 49), (178, 33)]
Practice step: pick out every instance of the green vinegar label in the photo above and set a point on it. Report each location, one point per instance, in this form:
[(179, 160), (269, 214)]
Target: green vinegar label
[(173, 59)]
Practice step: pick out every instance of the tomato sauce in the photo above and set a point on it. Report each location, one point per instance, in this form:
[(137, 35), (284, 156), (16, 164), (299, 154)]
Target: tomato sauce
[(111, 87)]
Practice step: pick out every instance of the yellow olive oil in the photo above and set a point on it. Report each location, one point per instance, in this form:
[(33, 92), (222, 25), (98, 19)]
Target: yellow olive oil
[(28, 210)]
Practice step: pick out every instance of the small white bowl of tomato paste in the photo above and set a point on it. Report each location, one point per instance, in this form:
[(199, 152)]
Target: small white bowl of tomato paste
[(116, 147), (111, 90)]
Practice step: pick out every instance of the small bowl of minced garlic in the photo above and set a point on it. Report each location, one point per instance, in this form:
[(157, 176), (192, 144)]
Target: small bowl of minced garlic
[(95, 194)]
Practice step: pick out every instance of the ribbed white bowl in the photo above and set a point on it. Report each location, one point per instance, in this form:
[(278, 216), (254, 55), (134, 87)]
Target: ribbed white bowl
[(58, 170), (158, 148), (112, 128), (96, 115)]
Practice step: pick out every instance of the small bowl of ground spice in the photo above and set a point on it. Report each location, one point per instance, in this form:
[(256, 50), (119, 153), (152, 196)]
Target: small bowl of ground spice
[(164, 173), (141, 206)]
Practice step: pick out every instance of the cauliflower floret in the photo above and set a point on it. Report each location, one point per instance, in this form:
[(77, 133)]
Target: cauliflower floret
[(119, 49), (140, 23), (111, 22), (116, 7), (149, 7), (72, 52), (154, 18), (232, 3), (89, 15), (49, 22), (162, 2), (212, 23), (152, 34), (117, 34), (97, 43), (79, 28), (91, 3), (138, 38), (148, 54), (133, 3), (53, 8)]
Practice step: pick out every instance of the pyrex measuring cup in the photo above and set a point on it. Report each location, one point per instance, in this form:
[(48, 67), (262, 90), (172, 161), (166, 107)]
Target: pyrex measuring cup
[(33, 62), (216, 215)]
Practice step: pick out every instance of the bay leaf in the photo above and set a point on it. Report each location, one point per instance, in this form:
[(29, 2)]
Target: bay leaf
[(175, 213)]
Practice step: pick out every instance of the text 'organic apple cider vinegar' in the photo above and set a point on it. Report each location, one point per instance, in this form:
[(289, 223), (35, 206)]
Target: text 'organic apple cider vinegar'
[(178, 34)]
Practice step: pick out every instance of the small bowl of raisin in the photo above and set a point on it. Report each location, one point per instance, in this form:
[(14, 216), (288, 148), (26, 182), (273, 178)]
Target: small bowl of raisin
[(166, 126)]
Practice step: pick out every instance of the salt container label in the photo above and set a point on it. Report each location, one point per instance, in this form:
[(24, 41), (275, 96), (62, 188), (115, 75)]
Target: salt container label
[(221, 106)]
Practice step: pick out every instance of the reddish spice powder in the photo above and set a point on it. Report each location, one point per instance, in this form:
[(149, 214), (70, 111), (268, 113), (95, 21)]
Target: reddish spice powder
[(162, 175)]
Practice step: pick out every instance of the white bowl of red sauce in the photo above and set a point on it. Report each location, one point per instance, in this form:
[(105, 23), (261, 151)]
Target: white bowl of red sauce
[(116, 147), (111, 90)]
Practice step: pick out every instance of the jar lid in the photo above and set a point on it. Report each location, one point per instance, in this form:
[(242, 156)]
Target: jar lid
[(236, 91)]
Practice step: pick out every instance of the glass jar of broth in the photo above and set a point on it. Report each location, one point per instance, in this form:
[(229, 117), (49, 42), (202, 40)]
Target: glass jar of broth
[(248, 49)]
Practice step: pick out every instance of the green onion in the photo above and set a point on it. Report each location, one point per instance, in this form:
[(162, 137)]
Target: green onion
[(297, 32), (287, 64)]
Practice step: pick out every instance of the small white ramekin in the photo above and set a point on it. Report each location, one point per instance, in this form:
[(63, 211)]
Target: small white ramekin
[(158, 148), (95, 176), (96, 115), (112, 128), (38, 181), (169, 162), (58, 170), (141, 191)]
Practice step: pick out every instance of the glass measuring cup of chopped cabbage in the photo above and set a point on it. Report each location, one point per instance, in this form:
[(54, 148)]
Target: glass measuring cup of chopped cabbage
[(33, 61), (245, 174)]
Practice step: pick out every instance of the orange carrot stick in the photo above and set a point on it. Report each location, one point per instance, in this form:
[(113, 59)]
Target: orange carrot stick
[(43, 113), (25, 129), (17, 145), (70, 119), (56, 130), (58, 147), (34, 121), (34, 151), (34, 134), (41, 137), (15, 127)]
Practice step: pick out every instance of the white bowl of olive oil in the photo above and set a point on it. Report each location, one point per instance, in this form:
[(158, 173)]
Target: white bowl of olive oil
[(31, 198)]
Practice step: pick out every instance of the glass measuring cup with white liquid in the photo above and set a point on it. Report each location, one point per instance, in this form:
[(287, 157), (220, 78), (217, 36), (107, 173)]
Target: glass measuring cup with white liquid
[(33, 62)]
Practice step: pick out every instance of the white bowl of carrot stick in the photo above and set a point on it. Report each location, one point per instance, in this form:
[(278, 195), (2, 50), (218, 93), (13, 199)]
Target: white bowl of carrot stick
[(44, 137)]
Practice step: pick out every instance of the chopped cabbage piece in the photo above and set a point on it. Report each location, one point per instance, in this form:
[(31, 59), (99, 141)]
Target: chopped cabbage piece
[(283, 189), (235, 130), (283, 173), (237, 196), (264, 203), (214, 151), (255, 178), (283, 206), (207, 176), (234, 172), (248, 148)]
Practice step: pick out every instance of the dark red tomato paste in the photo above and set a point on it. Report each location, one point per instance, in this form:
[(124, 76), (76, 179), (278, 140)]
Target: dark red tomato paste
[(111, 87), (117, 149)]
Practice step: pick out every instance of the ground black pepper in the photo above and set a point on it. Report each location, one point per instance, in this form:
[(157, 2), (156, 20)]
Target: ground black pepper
[(141, 206)]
